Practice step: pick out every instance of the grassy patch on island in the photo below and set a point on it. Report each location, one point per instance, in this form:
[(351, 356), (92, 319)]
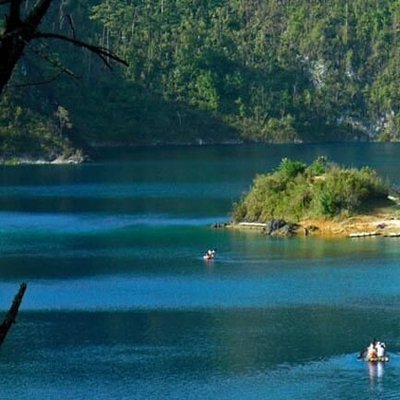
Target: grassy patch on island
[(296, 191)]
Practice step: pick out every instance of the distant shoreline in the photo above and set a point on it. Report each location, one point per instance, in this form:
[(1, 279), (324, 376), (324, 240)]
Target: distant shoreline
[(88, 154), (74, 159)]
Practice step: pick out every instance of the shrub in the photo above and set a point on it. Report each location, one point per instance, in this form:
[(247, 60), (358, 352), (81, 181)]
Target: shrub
[(295, 191), (291, 168)]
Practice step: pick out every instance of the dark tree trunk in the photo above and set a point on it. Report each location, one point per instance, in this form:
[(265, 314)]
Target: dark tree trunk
[(12, 313), (10, 52), (17, 35)]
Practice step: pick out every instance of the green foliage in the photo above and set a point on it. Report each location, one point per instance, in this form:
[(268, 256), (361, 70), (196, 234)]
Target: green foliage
[(319, 166), (26, 134), (295, 191), (217, 71), (275, 73), (290, 168)]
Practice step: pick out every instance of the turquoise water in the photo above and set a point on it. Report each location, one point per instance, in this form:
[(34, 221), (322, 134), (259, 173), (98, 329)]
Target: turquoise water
[(121, 305)]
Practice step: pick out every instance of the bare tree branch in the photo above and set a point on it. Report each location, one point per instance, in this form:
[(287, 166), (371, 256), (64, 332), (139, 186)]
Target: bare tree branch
[(54, 63), (102, 52), (18, 33), (37, 83), (38, 12)]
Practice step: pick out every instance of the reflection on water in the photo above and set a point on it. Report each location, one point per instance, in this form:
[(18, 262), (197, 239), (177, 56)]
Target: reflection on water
[(209, 354), (376, 371), (121, 305)]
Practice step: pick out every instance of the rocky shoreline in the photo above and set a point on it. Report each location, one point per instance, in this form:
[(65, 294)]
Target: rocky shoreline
[(76, 158), (381, 224)]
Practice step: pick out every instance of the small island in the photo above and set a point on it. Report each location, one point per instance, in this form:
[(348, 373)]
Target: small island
[(319, 199)]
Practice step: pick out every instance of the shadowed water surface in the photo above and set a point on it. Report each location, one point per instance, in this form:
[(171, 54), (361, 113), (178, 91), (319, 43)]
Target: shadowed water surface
[(120, 303)]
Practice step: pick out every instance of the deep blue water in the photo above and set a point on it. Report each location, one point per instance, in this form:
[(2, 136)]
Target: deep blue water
[(121, 305)]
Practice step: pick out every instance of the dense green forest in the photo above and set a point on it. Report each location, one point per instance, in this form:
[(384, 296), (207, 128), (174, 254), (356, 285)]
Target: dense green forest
[(208, 71)]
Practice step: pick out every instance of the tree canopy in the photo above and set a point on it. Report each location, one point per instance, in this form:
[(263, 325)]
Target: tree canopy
[(216, 71)]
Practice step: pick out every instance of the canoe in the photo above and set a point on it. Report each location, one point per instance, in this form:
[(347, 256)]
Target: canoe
[(363, 356), (378, 359)]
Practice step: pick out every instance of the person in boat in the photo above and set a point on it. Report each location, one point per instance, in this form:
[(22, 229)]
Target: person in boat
[(371, 350), (380, 350), (210, 254), (376, 351)]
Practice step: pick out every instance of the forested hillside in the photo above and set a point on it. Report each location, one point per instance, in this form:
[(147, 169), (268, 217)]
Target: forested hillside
[(205, 71)]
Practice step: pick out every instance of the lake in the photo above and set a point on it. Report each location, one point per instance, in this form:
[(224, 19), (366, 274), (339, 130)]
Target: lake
[(121, 305)]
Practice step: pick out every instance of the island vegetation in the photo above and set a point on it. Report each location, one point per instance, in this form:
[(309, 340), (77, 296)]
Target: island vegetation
[(319, 197), (207, 72)]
